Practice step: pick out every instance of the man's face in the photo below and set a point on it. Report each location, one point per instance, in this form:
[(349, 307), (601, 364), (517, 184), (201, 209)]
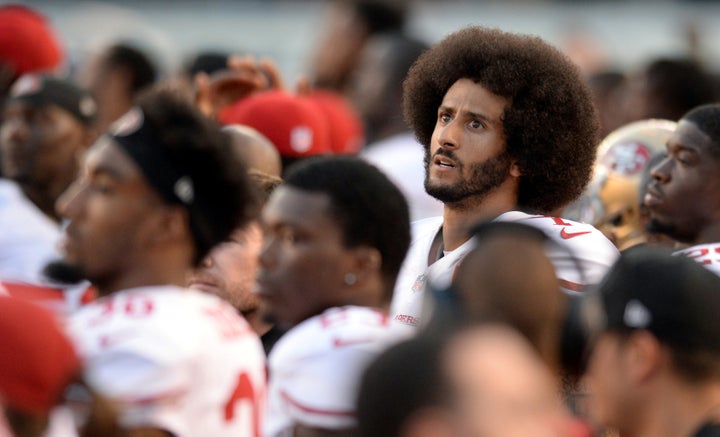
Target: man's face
[(466, 155), (303, 259), (110, 211), (607, 381), (682, 196), (40, 144), (230, 268)]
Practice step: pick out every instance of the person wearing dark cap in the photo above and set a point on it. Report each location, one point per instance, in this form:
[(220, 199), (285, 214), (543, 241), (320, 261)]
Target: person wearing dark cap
[(654, 369), (682, 196), (46, 124), (154, 196)]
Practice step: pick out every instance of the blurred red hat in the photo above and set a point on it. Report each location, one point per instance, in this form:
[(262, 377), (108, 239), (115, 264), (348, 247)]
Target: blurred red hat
[(346, 128), (38, 360), (27, 43), (295, 125)]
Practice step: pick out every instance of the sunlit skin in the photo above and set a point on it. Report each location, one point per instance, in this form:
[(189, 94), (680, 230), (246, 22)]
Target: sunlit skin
[(468, 133), (682, 196)]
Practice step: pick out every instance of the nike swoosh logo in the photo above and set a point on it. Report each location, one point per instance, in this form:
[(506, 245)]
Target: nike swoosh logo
[(568, 235)]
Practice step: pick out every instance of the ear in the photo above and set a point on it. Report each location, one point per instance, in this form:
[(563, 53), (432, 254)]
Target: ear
[(367, 261), (169, 224), (645, 356)]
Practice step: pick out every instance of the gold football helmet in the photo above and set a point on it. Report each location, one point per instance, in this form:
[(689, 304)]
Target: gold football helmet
[(612, 200)]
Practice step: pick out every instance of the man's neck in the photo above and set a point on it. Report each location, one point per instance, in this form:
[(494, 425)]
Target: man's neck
[(458, 219), (681, 412), (144, 275), (709, 234), (45, 203), (256, 322)]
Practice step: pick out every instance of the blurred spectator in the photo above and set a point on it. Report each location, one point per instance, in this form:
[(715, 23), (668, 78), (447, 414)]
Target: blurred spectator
[(377, 93), (27, 44), (294, 124), (349, 24), (607, 88), (668, 88), (682, 197), (346, 130), (115, 76), (654, 365), (47, 124), (254, 149)]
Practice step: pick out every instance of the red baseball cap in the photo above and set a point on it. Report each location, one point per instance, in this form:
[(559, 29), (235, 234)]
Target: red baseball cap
[(27, 42), (38, 359), (295, 125), (346, 128)]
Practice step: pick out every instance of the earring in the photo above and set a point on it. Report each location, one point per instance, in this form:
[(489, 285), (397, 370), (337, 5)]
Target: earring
[(350, 279)]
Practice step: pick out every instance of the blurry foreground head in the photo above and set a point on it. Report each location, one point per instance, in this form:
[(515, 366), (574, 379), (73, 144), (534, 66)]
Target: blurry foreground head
[(656, 344), (40, 377)]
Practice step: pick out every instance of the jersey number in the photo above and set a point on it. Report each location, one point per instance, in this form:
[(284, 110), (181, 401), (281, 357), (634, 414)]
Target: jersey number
[(243, 390)]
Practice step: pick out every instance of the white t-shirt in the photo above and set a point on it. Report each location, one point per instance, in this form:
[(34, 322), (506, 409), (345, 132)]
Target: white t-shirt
[(315, 368), (175, 359), (581, 257), (706, 254)]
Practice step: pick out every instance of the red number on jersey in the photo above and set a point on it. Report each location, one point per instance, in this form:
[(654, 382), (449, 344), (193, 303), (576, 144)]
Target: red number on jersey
[(243, 390)]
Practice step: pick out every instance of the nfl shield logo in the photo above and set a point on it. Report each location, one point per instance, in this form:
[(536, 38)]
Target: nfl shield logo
[(419, 283)]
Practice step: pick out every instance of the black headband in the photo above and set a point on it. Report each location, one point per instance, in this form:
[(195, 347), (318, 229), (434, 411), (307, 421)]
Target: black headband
[(139, 141)]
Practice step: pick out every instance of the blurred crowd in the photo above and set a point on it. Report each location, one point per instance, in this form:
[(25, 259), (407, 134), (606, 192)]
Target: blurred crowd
[(480, 236)]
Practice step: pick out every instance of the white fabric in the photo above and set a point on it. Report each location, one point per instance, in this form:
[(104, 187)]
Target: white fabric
[(175, 359), (592, 252), (316, 366), (706, 254), (400, 157), (28, 238)]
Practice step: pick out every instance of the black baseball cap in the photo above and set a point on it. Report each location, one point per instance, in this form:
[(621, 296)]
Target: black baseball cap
[(673, 297), (41, 89)]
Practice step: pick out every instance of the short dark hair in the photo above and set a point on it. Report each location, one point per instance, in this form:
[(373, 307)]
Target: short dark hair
[(380, 16), (551, 127), (197, 146), (707, 119), (370, 209), (142, 70), (410, 374)]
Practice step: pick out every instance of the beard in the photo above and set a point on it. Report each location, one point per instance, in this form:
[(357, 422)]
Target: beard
[(484, 178), (63, 272)]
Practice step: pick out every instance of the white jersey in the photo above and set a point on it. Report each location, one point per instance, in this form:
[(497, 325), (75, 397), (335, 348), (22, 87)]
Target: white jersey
[(28, 238), (581, 256), (706, 254), (315, 368), (174, 359)]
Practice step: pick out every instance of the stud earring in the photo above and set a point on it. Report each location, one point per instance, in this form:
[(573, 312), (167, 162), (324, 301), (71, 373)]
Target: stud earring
[(350, 279)]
